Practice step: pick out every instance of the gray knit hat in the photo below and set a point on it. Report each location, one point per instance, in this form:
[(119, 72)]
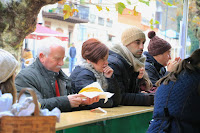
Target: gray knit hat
[(8, 65), (131, 34)]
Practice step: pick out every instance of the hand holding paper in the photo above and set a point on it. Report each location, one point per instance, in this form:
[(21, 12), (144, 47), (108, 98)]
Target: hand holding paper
[(89, 101)]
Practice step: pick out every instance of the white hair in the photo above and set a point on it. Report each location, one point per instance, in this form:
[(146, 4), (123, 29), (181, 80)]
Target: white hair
[(47, 43)]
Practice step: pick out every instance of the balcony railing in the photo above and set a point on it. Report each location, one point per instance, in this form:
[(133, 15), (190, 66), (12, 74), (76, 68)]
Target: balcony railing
[(78, 17), (83, 12)]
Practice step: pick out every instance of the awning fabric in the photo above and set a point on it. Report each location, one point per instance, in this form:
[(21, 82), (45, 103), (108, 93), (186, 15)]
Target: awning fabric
[(42, 32)]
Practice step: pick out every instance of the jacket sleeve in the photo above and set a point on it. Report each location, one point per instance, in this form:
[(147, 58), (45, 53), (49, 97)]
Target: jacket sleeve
[(85, 78), (138, 99), (129, 97), (134, 98), (24, 80), (153, 75), (113, 87)]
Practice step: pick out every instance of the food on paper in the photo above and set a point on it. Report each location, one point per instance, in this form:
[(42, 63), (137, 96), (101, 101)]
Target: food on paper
[(90, 89), (93, 90)]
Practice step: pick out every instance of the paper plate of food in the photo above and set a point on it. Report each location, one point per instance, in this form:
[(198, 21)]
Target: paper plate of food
[(93, 90)]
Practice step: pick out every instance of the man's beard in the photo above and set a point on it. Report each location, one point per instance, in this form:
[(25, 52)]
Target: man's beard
[(138, 55)]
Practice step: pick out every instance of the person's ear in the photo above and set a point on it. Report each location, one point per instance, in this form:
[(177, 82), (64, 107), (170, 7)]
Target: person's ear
[(88, 61), (41, 57)]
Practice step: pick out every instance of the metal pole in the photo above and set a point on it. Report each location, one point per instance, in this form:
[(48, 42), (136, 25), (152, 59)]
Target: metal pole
[(184, 29), (166, 22)]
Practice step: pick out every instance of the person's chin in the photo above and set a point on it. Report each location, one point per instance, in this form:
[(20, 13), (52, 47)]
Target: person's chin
[(138, 55), (57, 70)]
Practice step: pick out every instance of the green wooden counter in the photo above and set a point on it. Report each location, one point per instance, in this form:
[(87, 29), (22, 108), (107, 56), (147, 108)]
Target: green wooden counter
[(123, 119)]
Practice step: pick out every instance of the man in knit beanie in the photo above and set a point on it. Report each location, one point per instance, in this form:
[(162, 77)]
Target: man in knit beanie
[(157, 57), (127, 61)]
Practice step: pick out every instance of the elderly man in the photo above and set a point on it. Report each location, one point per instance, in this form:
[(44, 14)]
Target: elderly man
[(158, 56), (52, 86), (128, 65)]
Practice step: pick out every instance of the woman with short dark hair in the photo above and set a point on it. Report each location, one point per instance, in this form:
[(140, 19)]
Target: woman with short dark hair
[(177, 100), (94, 68)]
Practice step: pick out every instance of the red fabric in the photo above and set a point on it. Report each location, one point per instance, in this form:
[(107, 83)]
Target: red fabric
[(57, 89), (42, 32)]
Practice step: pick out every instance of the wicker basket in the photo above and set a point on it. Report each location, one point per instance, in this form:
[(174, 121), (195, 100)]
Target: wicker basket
[(28, 124)]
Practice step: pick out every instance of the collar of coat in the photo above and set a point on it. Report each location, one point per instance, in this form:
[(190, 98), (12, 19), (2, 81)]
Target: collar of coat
[(98, 75)]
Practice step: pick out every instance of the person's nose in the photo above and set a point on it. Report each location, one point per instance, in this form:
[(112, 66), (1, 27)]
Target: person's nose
[(170, 57), (106, 63), (61, 63), (141, 46)]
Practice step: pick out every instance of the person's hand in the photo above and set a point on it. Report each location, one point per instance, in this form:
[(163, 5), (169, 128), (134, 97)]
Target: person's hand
[(178, 59), (144, 92), (89, 101), (172, 64), (75, 100), (141, 73), (108, 71)]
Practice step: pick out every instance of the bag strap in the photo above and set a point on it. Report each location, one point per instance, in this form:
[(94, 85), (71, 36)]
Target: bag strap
[(166, 111), (36, 111)]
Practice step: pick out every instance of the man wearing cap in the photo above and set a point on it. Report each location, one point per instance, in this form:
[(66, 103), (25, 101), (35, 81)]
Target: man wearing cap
[(127, 62), (157, 57)]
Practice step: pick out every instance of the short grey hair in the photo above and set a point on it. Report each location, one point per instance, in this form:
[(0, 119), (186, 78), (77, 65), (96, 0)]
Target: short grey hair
[(47, 43)]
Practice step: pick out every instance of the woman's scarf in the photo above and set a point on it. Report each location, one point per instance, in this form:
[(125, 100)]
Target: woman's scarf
[(99, 75)]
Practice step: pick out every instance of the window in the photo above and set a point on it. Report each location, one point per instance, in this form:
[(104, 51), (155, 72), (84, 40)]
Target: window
[(101, 21), (59, 30), (47, 24), (109, 23), (82, 33), (92, 18)]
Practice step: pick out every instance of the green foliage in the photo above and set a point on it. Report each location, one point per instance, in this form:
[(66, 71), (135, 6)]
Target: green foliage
[(120, 7), (194, 41), (99, 7), (107, 9), (156, 22), (82, 2), (145, 2), (68, 11), (153, 22), (66, 63), (128, 2), (166, 2)]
